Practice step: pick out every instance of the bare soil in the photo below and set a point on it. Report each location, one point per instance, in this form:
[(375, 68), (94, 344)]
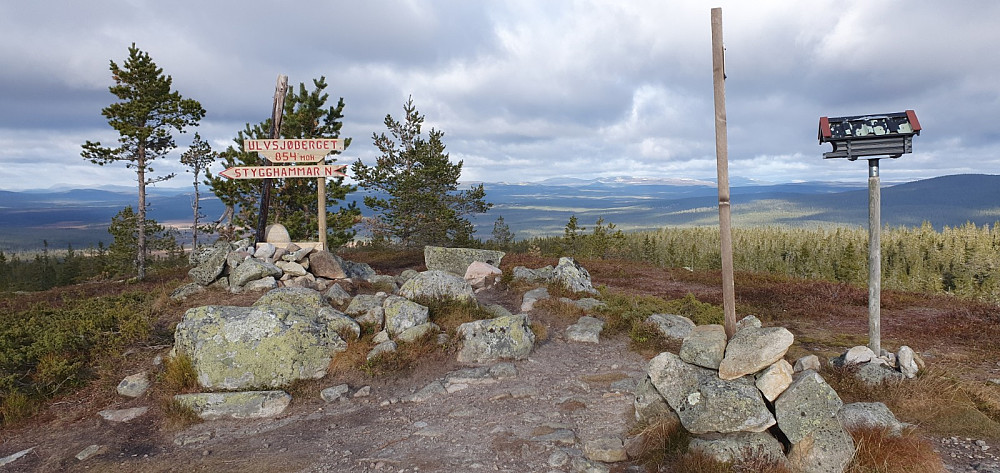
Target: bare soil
[(517, 425)]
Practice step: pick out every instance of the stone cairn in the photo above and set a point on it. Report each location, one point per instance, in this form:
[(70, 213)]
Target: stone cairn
[(306, 316), (742, 398)]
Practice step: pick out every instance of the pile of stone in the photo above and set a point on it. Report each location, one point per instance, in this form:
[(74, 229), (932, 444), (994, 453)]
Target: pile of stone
[(568, 273), (294, 332), (241, 266), (742, 398), (887, 367)]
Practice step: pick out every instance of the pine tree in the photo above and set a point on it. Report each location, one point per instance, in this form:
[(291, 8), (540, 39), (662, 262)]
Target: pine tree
[(125, 232), (144, 118), (198, 158), (417, 200), (293, 201)]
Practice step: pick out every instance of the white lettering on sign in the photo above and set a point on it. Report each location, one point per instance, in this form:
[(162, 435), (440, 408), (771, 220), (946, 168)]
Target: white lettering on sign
[(281, 172), (294, 150)]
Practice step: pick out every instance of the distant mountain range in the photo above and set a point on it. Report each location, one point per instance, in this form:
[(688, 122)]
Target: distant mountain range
[(80, 216)]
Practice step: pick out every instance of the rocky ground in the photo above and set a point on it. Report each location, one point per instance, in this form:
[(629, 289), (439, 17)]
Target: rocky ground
[(538, 414)]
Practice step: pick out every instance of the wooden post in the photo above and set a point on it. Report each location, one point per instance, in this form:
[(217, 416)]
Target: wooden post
[(722, 162), (874, 258), (321, 208), (277, 112)]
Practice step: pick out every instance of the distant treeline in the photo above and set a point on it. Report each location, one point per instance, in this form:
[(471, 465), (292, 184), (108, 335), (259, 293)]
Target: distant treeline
[(962, 260), (46, 269)]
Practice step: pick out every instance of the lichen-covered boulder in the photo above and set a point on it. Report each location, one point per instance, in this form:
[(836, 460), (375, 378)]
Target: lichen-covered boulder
[(402, 313), (572, 276), (356, 270), (735, 447), (367, 308), (240, 347), (805, 406), (489, 340), (649, 403), (436, 284), (339, 322), (706, 403), (457, 260), (239, 405), (828, 449), (870, 415), (211, 262), (252, 270), (293, 299)]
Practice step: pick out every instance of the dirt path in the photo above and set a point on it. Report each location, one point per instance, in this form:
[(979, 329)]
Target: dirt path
[(560, 398)]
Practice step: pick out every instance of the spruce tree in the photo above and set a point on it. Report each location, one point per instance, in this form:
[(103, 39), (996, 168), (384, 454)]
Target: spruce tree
[(146, 115), (293, 201), (416, 196)]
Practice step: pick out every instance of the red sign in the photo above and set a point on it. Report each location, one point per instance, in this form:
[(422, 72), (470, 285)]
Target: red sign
[(282, 172), (294, 150)]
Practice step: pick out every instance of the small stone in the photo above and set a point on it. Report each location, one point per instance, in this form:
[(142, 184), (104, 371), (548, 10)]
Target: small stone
[(808, 362), (558, 458), (89, 452), (134, 385), (122, 415), (334, 393), (364, 391), (607, 450)]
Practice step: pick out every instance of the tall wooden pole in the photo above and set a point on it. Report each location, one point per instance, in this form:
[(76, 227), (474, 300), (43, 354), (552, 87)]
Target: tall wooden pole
[(722, 162), (874, 258), (277, 112), (321, 208)]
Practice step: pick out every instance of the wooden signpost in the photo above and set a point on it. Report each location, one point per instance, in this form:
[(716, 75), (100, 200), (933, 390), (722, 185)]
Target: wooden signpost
[(282, 151)]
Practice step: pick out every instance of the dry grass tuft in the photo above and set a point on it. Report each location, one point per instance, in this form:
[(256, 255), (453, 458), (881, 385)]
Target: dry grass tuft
[(406, 356), (662, 440), (560, 311), (541, 331), (177, 416), (880, 452), (179, 374), (935, 400)]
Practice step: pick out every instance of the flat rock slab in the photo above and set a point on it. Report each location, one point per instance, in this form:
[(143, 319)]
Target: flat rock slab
[(122, 415), (236, 405), (457, 260)]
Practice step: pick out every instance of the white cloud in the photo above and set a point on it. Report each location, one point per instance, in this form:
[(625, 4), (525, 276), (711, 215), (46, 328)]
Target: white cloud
[(526, 90)]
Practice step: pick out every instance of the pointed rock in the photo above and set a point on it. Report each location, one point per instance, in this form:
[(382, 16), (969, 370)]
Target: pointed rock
[(704, 346), (753, 349), (774, 379)]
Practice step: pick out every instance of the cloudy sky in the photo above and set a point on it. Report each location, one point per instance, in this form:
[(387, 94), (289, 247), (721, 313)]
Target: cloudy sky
[(523, 90)]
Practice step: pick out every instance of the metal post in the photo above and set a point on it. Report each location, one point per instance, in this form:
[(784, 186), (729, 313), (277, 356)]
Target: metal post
[(722, 164), (874, 258)]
